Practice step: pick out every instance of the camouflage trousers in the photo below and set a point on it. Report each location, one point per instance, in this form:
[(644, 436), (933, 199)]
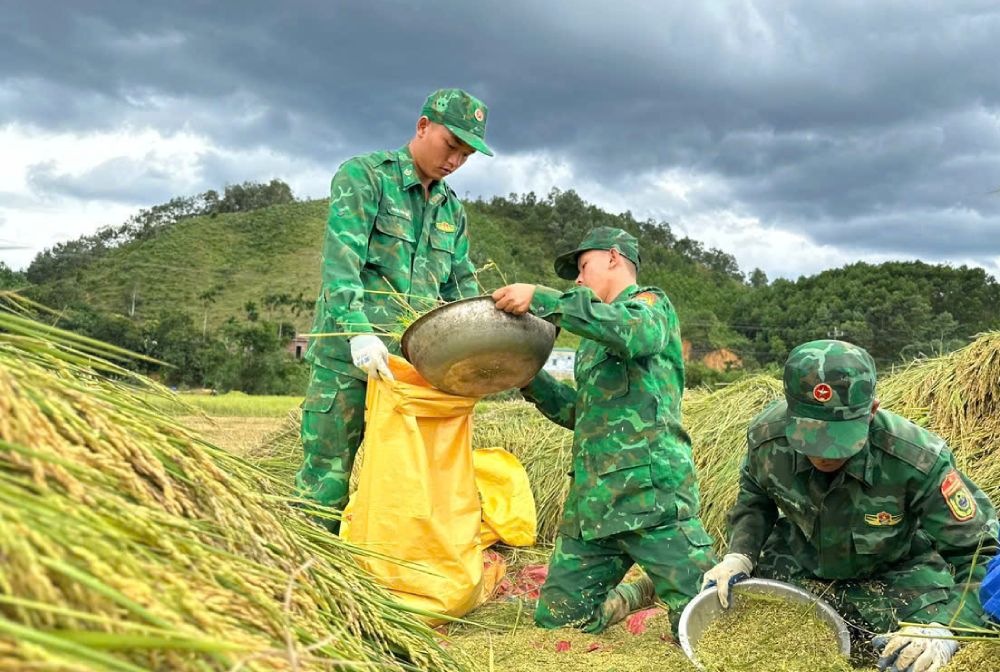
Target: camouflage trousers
[(918, 588), (333, 423), (583, 573)]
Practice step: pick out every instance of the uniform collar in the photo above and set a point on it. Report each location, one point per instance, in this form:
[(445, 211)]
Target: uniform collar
[(860, 467), (410, 178), (406, 167), (626, 293)]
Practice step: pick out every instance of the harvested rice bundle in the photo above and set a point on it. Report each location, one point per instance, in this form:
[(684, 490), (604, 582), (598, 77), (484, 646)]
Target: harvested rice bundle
[(129, 544), (957, 397), (981, 656), (762, 632), (717, 423)]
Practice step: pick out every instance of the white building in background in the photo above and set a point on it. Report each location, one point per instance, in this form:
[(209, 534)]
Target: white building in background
[(560, 362)]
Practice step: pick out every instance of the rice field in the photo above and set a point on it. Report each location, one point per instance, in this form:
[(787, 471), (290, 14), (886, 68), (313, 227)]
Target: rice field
[(232, 404)]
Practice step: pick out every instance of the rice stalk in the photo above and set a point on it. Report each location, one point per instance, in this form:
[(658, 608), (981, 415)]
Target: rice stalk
[(128, 543)]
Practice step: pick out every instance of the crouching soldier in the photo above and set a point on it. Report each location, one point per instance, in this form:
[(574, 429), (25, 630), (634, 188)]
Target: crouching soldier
[(634, 495), (836, 490)]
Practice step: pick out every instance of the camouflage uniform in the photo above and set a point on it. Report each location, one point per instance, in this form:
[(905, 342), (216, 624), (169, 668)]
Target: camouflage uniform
[(386, 245), (634, 496), (893, 534)]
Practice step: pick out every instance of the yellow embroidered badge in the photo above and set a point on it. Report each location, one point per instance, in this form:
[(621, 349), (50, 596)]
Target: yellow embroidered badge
[(882, 519), (957, 497), (646, 297)]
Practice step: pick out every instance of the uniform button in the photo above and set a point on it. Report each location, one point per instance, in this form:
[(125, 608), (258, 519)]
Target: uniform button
[(408, 171)]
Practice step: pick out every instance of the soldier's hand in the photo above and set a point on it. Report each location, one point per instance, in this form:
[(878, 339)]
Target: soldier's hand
[(916, 649), (733, 568), (514, 298), (371, 356)]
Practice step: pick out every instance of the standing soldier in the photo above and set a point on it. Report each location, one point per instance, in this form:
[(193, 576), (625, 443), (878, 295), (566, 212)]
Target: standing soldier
[(834, 489), (396, 236), (634, 496)]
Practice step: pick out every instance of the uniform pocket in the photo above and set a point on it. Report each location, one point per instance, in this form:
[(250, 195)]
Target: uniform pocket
[(442, 254), (391, 243), (322, 391), (606, 377), (875, 541), (695, 533), (626, 478)]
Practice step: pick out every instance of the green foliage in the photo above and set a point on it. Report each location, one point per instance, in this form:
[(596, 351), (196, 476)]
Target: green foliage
[(213, 265), (11, 279), (216, 259), (64, 261), (894, 310)]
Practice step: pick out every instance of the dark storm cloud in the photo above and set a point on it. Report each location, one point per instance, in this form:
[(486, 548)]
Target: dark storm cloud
[(868, 126)]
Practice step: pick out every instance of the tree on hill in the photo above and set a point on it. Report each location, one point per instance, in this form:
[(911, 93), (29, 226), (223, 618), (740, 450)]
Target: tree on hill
[(11, 279), (64, 260), (894, 310)]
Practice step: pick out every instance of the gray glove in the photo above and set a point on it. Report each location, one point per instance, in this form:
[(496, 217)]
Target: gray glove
[(915, 649), (371, 356), (733, 568)]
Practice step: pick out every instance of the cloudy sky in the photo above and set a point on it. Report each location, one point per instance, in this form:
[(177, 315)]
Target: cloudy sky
[(796, 135)]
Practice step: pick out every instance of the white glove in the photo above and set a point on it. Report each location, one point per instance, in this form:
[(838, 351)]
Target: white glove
[(915, 649), (371, 356), (734, 567)]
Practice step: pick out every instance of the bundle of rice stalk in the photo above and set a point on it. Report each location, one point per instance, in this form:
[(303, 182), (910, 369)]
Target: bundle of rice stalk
[(717, 423), (126, 543), (956, 396)]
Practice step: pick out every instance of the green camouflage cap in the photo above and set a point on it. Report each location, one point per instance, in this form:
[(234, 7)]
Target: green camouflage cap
[(462, 114), (830, 387), (601, 238)]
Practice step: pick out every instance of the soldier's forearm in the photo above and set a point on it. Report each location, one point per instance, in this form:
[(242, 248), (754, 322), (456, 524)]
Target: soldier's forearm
[(555, 400)]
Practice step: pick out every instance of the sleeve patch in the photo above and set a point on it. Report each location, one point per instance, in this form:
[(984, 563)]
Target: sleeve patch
[(956, 495), (648, 298)]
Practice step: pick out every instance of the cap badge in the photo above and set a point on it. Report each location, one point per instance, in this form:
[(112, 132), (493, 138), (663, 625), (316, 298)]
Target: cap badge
[(478, 114), (822, 393)]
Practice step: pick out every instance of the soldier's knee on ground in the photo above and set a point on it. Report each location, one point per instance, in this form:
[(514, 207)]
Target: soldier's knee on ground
[(564, 615)]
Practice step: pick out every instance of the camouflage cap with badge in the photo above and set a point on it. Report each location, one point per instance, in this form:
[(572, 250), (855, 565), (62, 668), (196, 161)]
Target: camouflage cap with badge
[(830, 388), (601, 238), (462, 114)]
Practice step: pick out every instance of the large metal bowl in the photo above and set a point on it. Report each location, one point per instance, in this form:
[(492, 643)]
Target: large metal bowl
[(472, 349), (705, 608)]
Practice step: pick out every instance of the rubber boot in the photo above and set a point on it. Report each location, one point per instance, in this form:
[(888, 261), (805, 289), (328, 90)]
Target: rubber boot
[(626, 598)]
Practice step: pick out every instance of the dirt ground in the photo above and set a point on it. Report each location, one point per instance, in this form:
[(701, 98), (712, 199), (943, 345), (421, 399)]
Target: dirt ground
[(235, 434)]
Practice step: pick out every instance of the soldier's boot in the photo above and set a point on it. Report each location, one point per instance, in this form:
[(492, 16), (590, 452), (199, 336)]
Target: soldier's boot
[(626, 598)]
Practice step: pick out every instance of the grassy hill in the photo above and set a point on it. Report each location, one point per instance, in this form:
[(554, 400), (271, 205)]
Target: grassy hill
[(275, 250)]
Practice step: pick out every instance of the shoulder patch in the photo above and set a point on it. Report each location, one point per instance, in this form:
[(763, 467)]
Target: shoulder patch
[(648, 298), (956, 495), (906, 441), (447, 227)]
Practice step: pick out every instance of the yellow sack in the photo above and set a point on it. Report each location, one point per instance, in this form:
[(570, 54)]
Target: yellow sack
[(508, 505), (417, 500)]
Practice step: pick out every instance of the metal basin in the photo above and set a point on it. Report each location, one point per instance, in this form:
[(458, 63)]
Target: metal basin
[(705, 608), (470, 348)]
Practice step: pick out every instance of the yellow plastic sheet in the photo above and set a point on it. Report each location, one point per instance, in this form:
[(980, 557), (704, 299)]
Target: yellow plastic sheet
[(417, 500)]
